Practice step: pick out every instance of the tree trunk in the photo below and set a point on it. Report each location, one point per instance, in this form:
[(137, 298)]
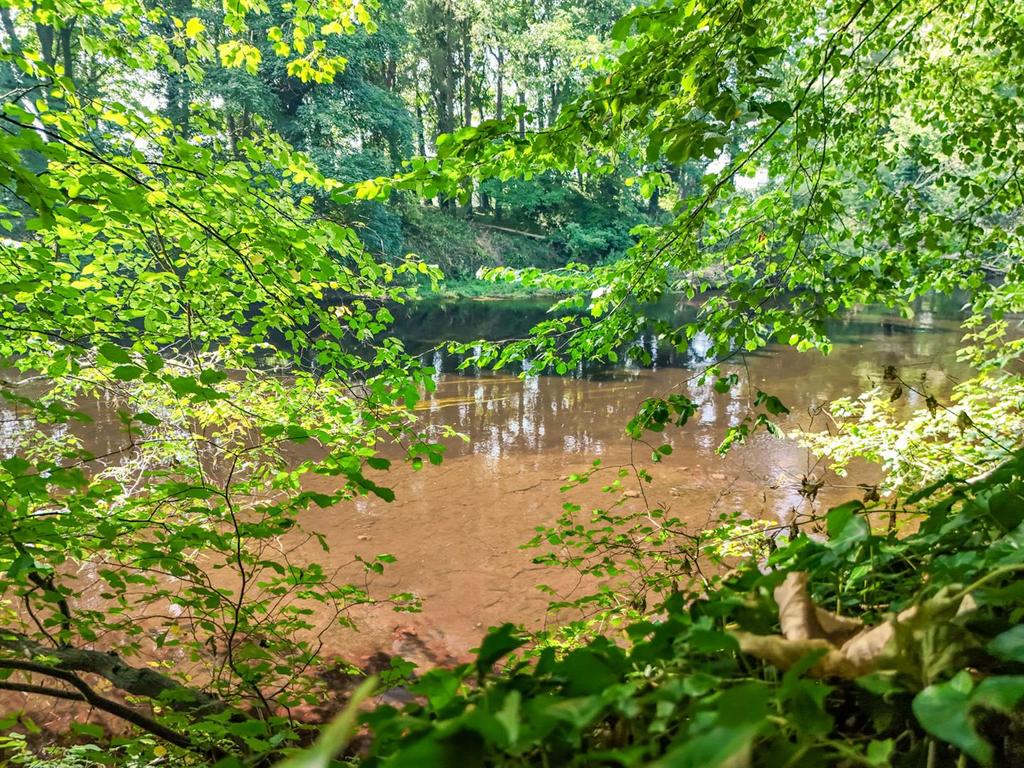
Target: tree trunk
[(421, 138), (439, 23), (67, 48), (441, 65), (467, 75), (467, 103), (45, 33), (391, 72), (552, 93), (653, 203), (499, 76), (521, 101)]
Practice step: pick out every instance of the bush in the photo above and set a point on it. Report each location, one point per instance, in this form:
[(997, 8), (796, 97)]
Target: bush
[(753, 671)]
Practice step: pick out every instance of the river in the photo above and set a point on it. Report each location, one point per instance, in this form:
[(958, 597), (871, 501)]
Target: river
[(456, 529)]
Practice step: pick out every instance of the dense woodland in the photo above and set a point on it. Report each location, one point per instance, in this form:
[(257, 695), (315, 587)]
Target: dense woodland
[(426, 69), (213, 212)]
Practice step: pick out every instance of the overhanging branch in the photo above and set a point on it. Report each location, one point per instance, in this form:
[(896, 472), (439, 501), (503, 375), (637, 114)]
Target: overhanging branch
[(88, 695), (137, 681)]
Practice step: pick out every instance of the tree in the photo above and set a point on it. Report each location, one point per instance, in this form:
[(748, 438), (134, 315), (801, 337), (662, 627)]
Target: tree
[(185, 282), (184, 269), (824, 120), (883, 135)]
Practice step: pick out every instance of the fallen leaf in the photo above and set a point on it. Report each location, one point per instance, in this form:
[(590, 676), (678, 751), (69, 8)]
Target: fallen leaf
[(847, 647)]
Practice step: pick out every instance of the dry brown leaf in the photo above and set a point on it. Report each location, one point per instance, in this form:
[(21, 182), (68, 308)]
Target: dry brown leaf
[(850, 649), (801, 619), (784, 653), (866, 649), (796, 611), (838, 629)]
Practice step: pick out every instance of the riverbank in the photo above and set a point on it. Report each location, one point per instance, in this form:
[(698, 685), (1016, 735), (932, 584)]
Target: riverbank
[(484, 290)]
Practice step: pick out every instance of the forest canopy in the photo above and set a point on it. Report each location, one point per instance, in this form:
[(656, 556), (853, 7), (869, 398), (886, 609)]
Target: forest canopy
[(212, 213)]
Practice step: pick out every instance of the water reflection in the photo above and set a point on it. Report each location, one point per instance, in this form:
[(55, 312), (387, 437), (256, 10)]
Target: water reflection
[(456, 529), (505, 415)]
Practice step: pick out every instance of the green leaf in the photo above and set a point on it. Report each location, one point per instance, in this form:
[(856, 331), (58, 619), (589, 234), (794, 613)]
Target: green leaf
[(587, 672), (879, 752), (439, 686), (380, 491), (21, 564), (1002, 693), (944, 711), (212, 376), (928, 490), (1009, 645), (724, 383), (127, 372), (335, 736), (712, 641), (621, 28), (92, 730), (498, 643), (780, 110), (509, 717), (771, 404), (16, 465), (184, 385), (1007, 507), (845, 525), (114, 353), (722, 746), (578, 712)]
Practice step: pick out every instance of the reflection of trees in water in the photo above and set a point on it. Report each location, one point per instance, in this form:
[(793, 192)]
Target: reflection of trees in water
[(426, 324), (584, 412)]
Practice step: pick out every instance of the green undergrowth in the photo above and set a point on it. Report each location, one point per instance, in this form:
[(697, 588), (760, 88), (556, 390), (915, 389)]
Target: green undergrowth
[(945, 687), (460, 246), (475, 288)]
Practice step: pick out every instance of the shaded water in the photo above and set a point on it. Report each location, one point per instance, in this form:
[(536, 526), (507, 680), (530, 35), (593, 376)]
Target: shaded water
[(457, 529)]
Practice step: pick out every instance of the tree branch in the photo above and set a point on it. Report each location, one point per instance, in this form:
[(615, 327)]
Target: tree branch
[(133, 680), (43, 690), (115, 708)]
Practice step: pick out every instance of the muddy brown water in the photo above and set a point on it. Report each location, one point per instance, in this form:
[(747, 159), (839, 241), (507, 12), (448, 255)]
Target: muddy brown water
[(457, 529)]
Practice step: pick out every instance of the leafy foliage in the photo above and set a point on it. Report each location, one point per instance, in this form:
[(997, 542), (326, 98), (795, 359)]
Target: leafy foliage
[(191, 287), (228, 295), (850, 166), (972, 432), (681, 692)]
